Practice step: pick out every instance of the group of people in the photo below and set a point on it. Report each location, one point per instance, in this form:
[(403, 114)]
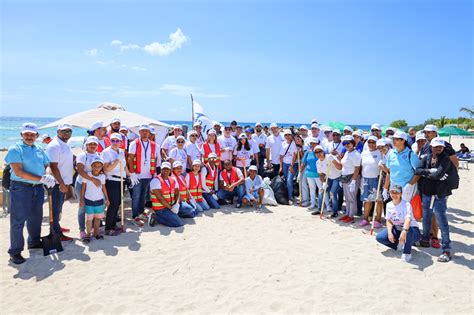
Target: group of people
[(192, 172)]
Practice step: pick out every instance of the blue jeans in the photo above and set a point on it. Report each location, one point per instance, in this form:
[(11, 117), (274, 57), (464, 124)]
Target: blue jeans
[(168, 218), (26, 205), (186, 210), (58, 201), (289, 178), (211, 201), (81, 213), (413, 235), (139, 196), (439, 208), (202, 206), (238, 191), (334, 188)]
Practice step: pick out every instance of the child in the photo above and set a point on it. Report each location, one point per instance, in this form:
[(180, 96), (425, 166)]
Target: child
[(92, 198)]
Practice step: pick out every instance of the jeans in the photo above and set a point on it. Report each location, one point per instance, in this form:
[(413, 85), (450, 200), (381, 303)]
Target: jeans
[(139, 196), (115, 196), (211, 201), (238, 191), (289, 178), (168, 218), (202, 206), (314, 183), (261, 160), (334, 188), (26, 205), (413, 235), (186, 210), (305, 194), (81, 213), (439, 209), (58, 201)]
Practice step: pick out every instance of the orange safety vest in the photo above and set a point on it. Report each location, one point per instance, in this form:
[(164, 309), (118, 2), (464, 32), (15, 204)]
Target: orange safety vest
[(138, 157), (124, 139), (195, 187), (106, 142), (167, 191), (183, 189), (233, 176), (208, 150), (211, 176)]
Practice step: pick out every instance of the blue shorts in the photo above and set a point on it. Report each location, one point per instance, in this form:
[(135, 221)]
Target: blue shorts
[(94, 209), (369, 189), (252, 196)]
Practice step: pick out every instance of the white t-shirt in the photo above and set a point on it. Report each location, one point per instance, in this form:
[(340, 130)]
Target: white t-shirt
[(94, 193), (196, 177), (260, 139), (398, 214), (109, 155), (59, 152), (228, 144), (370, 163), (288, 154), (194, 151), (254, 146), (243, 153), (350, 161), (169, 143), (332, 172), (334, 146), (145, 158), (156, 184), (238, 171), (85, 159), (179, 155), (274, 143)]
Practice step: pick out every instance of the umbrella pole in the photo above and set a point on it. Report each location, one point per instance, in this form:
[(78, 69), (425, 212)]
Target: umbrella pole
[(192, 110), (122, 212)]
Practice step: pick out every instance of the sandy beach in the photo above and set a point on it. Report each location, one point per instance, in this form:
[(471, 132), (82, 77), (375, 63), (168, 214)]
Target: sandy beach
[(280, 260)]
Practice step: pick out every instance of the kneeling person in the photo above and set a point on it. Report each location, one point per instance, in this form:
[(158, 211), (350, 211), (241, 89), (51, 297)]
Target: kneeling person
[(194, 182), (253, 188), (231, 180), (186, 210)]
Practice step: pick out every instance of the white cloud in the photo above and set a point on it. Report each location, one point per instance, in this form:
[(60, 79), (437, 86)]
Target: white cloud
[(92, 52), (129, 47), (185, 90), (176, 40), (135, 68), (116, 42)]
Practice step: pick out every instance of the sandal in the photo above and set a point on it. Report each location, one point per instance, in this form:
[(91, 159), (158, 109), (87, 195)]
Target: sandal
[(424, 243), (86, 240), (435, 242), (444, 257)]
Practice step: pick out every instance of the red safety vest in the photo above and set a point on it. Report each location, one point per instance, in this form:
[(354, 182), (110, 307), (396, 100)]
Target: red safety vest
[(106, 142), (124, 139), (195, 187), (183, 189), (208, 150), (233, 176), (167, 192), (211, 176), (138, 157)]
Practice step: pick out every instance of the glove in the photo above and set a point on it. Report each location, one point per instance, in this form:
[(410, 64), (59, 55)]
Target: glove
[(408, 192), (193, 202), (330, 158), (134, 179), (340, 184), (215, 197), (381, 163), (433, 170), (352, 186), (385, 194), (175, 208), (325, 186), (121, 155), (298, 178), (48, 180)]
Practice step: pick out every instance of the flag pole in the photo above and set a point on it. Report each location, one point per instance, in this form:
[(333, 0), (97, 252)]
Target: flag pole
[(192, 108)]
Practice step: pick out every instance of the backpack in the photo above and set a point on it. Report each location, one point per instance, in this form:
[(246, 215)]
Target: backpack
[(6, 177)]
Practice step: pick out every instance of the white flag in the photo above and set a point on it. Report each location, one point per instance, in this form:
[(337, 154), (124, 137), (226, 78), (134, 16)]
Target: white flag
[(199, 116)]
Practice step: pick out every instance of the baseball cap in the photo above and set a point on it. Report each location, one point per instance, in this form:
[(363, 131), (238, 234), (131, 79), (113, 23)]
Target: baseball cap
[(29, 127), (336, 131), (212, 155), (358, 132), (314, 121), (314, 126), (325, 128), (376, 126), (249, 130), (391, 129), (197, 162), (115, 119), (372, 138), (197, 123), (211, 131), (258, 124), (123, 127), (180, 138), (313, 140), (242, 136), (304, 127), (44, 136), (318, 147), (98, 124), (287, 132), (396, 188), (144, 127), (177, 164), (348, 128), (437, 142), (152, 130), (253, 168), (64, 126), (97, 159), (166, 165), (347, 138), (381, 142), (116, 136), (430, 128), (400, 135), (178, 127), (420, 136), (272, 125), (92, 139)]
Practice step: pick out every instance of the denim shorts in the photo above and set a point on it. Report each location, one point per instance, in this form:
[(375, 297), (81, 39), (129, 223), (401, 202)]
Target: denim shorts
[(369, 189)]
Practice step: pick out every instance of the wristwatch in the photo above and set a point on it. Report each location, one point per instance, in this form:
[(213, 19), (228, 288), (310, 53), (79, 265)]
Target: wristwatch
[(406, 230)]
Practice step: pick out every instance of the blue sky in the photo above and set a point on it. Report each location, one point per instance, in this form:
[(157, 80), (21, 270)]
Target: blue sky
[(286, 61)]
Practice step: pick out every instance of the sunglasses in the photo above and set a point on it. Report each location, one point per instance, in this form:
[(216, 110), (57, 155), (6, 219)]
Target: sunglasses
[(374, 130), (318, 151), (371, 142), (180, 141), (193, 136), (115, 141), (66, 131), (336, 134)]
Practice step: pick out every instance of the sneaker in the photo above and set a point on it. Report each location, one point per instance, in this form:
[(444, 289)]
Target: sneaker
[(17, 259), (143, 216), (151, 220), (334, 215), (406, 257), (312, 208), (363, 223), (435, 242), (65, 230), (259, 207), (348, 220), (290, 202), (99, 237), (86, 240), (238, 205), (424, 243), (445, 257), (82, 235), (306, 204), (36, 246), (137, 222), (317, 212), (343, 218), (377, 225), (65, 238)]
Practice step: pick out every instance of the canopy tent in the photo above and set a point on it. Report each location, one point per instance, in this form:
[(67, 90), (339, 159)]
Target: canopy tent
[(106, 112), (335, 125), (449, 131)]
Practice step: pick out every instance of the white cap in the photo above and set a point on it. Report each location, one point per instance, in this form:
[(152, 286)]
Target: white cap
[(376, 126), (381, 142), (177, 164), (29, 127), (64, 126), (92, 139), (212, 155), (347, 138), (166, 165), (314, 121), (437, 142), (44, 136), (192, 132), (258, 124), (420, 136), (253, 168), (180, 138), (115, 119), (211, 131), (430, 128), (318, 147), (313, 140), (116, 136), (144, 127), (97, 159), (123, 127), (400, 135), (97, 125), (197, 162), (325, 128), (358, 132), (372, 138), (152, 130), (336, 131), (179, 127), (348, 128), (197, 123), (314, 126), (303, 127), (272, 125), (392, 129), (242, 136), (287, 132)]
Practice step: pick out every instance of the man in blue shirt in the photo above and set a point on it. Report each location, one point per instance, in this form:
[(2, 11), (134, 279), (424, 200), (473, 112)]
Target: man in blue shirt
[(28, 175)]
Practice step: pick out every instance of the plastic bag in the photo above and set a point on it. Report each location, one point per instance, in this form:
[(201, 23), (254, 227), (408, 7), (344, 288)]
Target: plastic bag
[(280, 190), (268, 196), (417, 207)]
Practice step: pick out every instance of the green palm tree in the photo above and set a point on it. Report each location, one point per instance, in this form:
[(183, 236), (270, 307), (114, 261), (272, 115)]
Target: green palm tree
[(467, 110), (441, 122)]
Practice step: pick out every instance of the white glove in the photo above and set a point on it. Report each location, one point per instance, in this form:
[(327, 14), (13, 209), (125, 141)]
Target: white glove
[(433, 170), (175, 208), (385, 194), (134, 179), (381, 163), (340, 184), (298, 178), (330, 158), (352, 186), (325, 186), (121, 155), (408, 192), (48, 180)]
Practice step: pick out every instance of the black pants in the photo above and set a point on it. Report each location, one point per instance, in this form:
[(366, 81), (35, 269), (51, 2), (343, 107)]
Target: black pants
[(114, 193)]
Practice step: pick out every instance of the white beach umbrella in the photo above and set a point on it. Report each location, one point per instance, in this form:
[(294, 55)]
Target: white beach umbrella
[(106, 112)]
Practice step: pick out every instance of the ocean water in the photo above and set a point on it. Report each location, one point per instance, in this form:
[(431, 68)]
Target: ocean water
[(10, 128)]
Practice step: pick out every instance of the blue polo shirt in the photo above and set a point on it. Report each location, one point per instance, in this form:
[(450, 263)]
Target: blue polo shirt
[(310, 159), (32, 158), (402, 166)]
